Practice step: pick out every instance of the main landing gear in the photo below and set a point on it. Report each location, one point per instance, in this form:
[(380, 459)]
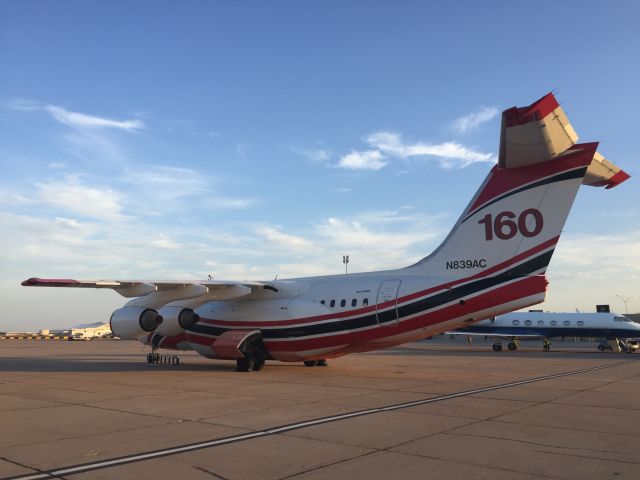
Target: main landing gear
[(156, 358), (512, 345), (252, 361), (315, 363)]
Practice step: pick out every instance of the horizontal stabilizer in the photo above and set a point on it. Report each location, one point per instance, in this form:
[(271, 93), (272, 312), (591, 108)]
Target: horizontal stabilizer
[(603, 173)]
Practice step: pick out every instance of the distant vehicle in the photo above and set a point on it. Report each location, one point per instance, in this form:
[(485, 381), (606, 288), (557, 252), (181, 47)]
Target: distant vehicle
[(493, 261), (518, 326)]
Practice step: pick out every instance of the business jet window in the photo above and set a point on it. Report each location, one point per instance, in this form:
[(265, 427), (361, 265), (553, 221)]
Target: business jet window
[(553, 323), (343, 302), (322, 302), (527, 322), (332, 304), (541, 322), (365, 302), (566, 323), (580, 323), (354, 302), (516, 322)]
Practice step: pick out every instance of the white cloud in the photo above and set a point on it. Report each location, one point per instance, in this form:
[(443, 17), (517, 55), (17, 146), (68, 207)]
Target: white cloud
[(449, 154), (82, 200), (475, 119), (280, 239), (316, 155), (162, 186), (75, 119), (592, 268), (368, 160), (82, 120)]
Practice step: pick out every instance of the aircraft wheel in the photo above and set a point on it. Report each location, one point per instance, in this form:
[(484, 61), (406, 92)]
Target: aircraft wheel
[(149, 358), (497, 347), (601, 348), (321, 363), (258, 362), (512, 346), (244, 364), (309, 363)]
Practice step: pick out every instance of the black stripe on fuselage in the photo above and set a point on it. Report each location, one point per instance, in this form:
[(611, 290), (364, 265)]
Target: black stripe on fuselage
[(389, 315), (571, 174)]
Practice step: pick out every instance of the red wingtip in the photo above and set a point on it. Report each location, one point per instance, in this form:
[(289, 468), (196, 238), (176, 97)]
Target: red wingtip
[(48, 282), (617, 179)]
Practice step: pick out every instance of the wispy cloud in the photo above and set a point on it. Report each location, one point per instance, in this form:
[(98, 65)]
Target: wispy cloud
[(449, 154), (475, 119), (316, 155), (283, 240), (75, 119), (367, 160), (72, 196)]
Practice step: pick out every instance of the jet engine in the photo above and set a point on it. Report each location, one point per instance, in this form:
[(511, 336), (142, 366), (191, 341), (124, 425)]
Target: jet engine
[(130, 323), (176, 320)]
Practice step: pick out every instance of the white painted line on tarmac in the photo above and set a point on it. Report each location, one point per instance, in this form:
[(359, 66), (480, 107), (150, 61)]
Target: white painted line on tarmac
[(70, 470)]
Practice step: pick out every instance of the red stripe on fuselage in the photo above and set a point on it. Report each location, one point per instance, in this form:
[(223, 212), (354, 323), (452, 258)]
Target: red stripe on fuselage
[(528, 286), (371, 309)]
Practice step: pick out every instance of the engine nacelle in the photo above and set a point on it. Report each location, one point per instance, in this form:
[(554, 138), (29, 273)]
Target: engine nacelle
[(176, 320), (130, 323)]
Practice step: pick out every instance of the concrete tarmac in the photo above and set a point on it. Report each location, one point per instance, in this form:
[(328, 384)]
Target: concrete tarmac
[(68, 404)]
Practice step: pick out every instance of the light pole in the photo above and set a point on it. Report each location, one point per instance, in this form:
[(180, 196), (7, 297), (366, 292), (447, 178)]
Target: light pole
[(345, 260), (625, 300)]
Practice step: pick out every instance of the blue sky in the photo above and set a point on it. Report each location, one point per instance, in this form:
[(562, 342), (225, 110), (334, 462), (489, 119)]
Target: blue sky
[(249, 139)]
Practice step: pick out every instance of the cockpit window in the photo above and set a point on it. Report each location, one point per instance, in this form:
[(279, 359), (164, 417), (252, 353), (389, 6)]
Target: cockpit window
[(618, 319)]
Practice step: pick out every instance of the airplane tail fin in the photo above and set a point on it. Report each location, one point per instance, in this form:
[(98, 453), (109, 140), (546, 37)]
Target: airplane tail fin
[(514, 221)]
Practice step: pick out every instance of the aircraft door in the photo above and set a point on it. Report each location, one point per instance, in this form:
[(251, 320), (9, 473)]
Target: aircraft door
[(388, 292)]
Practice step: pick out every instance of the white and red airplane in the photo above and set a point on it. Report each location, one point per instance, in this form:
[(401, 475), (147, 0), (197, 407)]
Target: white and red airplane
[(492, 262)]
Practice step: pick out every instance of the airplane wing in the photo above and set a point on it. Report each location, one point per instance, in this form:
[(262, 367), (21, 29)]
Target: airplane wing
[(136, 288), (153, 293), (542, 132)]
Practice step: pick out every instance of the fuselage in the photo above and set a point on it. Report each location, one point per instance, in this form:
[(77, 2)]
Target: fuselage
[(549, 325), (324, 317)]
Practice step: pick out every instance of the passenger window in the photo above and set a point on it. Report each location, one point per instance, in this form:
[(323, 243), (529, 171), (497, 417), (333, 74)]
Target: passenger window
[(332, 304), (343, 302), (354, 302), (553, 323), (527, 322), (566, 323), (365, 302), (580, 323), (541, 322), (322, 302), (516, 322)]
